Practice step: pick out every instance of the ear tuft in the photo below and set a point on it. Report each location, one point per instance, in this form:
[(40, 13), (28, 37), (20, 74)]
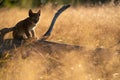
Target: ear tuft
[(30, 12), (39, 12)]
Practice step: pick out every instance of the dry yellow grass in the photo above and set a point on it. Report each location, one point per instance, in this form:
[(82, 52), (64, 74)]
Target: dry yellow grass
[(91, 27)]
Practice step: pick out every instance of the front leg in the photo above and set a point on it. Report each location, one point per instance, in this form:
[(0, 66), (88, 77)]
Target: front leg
[(27, 34), (33, 33)]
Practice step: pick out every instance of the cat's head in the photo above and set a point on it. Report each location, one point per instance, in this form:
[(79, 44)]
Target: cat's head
[(34, 16)]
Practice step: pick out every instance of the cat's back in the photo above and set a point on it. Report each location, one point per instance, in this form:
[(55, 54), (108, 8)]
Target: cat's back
[(22, 23)]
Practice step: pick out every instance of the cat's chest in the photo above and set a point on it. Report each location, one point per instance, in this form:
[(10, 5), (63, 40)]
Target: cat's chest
[(31, 27)]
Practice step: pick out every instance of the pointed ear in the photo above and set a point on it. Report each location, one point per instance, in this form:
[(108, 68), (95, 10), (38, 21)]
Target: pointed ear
[(39, 12), (30, 12)]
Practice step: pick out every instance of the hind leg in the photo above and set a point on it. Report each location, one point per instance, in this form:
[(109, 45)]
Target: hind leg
[(16, 36)]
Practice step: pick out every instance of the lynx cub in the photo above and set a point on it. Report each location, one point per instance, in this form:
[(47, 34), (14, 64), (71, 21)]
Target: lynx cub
[(25, 28)]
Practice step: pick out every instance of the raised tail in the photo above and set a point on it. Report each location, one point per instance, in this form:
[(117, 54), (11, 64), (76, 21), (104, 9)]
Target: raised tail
[(47, 34)]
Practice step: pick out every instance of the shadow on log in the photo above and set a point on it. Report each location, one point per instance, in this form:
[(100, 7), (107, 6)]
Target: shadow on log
[(41, 46)]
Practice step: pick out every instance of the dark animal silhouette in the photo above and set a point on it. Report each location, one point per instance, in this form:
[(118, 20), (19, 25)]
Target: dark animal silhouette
[(26, 27)]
